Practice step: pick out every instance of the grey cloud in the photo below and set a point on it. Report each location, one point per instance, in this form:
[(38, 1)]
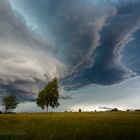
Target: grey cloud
[(117, 34), (65, 97), (74, 25), (105, 108), (24, 56), (13, 27), (86, 42)]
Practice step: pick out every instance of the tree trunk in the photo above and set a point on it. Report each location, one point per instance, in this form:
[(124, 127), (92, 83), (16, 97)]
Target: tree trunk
[(6, 110), (47, 109)]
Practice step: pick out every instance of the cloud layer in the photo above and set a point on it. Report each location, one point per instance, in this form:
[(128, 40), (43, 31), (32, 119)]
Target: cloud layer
[(25, 63), (81, 42)]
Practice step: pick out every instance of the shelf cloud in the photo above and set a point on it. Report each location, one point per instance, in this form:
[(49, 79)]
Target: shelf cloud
[(81, 42)]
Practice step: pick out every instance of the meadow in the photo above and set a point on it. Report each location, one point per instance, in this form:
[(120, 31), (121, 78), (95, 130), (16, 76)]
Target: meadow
[(70, 126)]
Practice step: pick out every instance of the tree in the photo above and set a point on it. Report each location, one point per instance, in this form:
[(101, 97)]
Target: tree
[(10, 102), (41, 100), (49, 96), (80, 110)]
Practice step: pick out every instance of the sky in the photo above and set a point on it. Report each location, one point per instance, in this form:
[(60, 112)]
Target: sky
[(91, 46)]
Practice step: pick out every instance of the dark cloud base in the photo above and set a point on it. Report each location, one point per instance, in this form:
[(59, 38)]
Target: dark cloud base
[(114, 61), (131, 60)]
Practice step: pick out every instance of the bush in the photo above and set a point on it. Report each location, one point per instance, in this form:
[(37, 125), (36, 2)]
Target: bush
[(114, 109)]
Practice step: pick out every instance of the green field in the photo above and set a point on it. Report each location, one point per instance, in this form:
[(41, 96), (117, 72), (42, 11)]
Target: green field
[(70, 126)]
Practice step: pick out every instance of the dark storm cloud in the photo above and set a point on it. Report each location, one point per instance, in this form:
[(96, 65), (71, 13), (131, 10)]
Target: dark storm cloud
[(107, 68), (23, 56), (74, 25), (75, 40), (131, 60), (13, 27), (11, 88)]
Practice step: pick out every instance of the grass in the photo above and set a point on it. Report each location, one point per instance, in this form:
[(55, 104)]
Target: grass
[(71, 126)]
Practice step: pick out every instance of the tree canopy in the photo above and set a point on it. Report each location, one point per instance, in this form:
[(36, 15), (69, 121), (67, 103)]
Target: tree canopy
[(10, 102), (49, 95)]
